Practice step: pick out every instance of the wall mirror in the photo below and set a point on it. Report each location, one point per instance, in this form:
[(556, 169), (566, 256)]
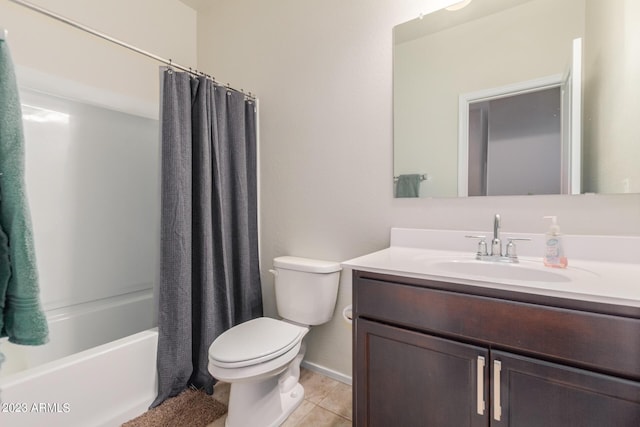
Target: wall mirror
[(517, 97)]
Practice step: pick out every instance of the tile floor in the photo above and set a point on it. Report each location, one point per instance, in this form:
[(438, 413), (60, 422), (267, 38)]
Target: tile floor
[(327, 402)]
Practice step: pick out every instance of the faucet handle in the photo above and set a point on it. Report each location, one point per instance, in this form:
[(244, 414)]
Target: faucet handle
[(482, 245), (511, 247)]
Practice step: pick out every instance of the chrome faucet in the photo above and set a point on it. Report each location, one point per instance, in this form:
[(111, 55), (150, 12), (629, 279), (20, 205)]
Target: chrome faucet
[(496, 243), (496, 253)]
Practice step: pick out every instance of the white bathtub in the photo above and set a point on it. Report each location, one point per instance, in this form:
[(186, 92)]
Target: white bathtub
[(97, 370), (103, 386), (80, 327)]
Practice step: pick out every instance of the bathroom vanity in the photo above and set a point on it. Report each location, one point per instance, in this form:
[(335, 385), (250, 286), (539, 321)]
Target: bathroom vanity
[(449, 347)]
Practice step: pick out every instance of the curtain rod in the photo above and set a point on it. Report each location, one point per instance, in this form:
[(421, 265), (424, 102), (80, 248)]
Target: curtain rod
[(96, 33)]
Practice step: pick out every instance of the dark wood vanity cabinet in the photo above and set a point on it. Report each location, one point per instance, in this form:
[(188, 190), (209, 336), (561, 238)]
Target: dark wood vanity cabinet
[(414, 379), (440, 354), (536, 393)]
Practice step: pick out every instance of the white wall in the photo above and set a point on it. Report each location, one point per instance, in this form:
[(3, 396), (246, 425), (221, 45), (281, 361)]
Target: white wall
[(40, 44), (323, 72), (611, 110)]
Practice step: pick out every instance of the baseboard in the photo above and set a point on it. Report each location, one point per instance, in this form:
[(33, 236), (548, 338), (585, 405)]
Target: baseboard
[(338, 376)]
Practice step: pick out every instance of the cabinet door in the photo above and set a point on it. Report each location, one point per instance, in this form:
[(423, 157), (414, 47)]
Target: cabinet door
[(533, 393), (405, 378)]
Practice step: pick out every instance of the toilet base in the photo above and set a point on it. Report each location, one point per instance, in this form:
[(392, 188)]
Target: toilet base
[(262, 405), (263, 395)]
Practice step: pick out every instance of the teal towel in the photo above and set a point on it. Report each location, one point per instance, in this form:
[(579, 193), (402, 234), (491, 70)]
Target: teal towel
[(21, 315), (408, 185)]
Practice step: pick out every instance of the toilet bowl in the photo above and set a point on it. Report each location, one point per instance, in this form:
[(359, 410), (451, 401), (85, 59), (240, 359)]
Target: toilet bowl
[(255, 349), (261, 358), (263, 373)]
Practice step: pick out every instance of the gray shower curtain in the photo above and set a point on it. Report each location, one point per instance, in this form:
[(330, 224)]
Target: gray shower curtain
[(209, 271)]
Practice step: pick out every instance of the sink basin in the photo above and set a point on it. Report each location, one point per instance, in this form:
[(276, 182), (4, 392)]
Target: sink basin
[(499, 271)]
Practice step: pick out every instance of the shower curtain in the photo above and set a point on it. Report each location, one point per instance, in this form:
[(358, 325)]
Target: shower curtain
[(209, 271)]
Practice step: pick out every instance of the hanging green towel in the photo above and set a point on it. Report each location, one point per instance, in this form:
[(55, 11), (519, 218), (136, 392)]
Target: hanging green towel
[(408, 185), (21, 315)]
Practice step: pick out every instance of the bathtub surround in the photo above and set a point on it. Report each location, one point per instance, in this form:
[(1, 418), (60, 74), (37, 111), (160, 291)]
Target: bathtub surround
[(21, 315), (209, 271)]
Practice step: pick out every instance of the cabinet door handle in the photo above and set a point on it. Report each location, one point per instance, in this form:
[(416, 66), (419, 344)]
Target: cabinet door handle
[(497, 408), (480, 386)]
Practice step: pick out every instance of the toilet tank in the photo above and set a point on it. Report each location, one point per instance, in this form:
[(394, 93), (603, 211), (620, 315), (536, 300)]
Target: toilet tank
[(306, 289)]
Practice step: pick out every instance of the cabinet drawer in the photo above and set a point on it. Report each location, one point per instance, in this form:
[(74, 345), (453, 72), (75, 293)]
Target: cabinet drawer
[(601, 342)]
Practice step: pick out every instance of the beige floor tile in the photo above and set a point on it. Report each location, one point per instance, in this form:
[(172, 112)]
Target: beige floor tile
[(219, 422), (327, 402), (221, 392), (301, 411), (339, 400), (319, 417), (316, 386)]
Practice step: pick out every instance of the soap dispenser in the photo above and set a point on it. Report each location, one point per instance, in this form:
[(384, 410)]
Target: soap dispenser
[(554, 255)]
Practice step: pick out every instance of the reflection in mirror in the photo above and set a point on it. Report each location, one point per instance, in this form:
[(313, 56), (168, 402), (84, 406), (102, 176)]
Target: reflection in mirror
[(449, 65), (514, 144)]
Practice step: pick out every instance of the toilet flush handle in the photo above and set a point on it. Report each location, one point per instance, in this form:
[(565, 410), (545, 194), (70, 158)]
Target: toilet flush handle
[(272, 271)]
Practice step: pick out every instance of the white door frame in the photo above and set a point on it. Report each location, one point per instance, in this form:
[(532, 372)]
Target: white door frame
[(465, 99), (575, 117)]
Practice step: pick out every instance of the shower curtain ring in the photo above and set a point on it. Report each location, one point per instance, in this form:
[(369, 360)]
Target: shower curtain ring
[(170, 70)]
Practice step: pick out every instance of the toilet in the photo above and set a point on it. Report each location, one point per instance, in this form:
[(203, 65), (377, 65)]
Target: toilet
[(261, 358)]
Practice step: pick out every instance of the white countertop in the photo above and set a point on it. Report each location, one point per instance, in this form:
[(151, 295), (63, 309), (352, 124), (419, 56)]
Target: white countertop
[(413, 252)]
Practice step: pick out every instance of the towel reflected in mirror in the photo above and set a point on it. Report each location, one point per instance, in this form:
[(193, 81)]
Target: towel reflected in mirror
[(408, 185)]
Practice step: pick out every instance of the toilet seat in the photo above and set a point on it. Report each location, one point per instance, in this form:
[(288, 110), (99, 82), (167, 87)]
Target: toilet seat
[(253, 342)]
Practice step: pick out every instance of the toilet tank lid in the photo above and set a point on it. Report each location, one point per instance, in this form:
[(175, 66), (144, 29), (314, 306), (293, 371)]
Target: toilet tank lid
[(306, 264)]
